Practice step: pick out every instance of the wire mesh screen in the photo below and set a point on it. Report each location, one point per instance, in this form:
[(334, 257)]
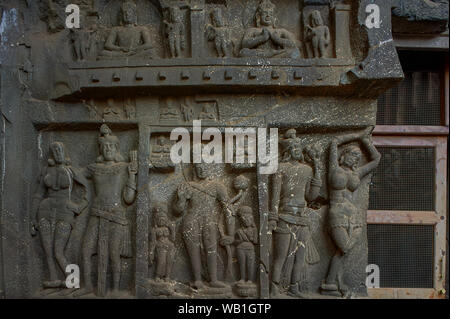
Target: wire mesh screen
[(404, 180), (414, 101), (417, 99), (404, 254)]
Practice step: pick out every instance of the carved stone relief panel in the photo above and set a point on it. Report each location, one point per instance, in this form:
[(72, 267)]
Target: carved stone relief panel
[(97, 106), (186, 109), (211, 214), (111, 110), (308, 255), (83, 211)]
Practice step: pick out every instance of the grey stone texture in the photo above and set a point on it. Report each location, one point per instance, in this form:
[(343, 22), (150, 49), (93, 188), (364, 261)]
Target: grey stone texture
[(86, 173)]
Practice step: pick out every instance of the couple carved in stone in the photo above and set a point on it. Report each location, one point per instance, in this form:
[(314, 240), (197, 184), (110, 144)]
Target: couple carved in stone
[(107, 234)]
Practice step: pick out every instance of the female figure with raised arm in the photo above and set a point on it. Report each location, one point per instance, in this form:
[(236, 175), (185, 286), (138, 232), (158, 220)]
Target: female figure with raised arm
[(344, 179)]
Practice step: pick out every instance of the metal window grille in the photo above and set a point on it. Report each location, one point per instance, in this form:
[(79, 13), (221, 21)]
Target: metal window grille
[(417, 99), (404, 254), (404, 180)]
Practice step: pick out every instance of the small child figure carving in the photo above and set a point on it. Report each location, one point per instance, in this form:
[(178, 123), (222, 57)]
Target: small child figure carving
[(246, 239), (162, 248)]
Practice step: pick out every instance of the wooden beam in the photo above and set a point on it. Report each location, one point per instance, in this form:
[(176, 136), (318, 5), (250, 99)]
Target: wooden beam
[(406, 141), (404, 293), (441, 228), (411, 130), (446, 93), (402, 217), (422, 42)]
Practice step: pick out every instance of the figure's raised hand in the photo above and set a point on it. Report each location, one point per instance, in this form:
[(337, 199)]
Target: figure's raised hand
[(133, 166)]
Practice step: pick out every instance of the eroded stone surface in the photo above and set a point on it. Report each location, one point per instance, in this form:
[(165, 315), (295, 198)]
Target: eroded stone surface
[(108, 96)]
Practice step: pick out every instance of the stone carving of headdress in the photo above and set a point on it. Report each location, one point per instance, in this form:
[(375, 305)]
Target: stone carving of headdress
[(128, 4), (107, 136), (289, 142), (266, 4)]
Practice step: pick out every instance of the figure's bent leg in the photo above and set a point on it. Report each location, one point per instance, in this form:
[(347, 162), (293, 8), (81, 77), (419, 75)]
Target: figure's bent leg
[(45, 229), (343, 240), (281, 247), (62, 234), (299, 268), (340, 237)]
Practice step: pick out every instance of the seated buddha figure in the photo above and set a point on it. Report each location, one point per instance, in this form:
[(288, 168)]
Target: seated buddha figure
[(267, 41), (129, 39)]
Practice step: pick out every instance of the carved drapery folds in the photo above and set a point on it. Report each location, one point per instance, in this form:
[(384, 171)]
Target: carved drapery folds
[(140, 225)]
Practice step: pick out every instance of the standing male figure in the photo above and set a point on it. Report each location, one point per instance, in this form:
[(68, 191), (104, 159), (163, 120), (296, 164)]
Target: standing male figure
[(115, 188), (200, 202), (294, 185)]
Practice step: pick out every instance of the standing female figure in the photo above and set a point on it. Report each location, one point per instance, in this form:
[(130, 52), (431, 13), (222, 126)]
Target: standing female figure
[(55, 210), (344, 179)]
